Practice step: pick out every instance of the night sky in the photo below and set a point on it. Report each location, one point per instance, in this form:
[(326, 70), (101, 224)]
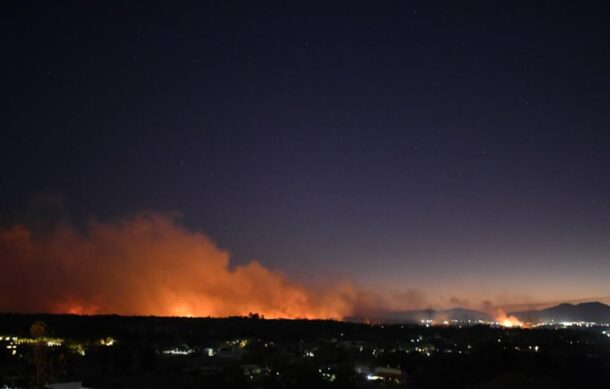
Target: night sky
[(444, 149)]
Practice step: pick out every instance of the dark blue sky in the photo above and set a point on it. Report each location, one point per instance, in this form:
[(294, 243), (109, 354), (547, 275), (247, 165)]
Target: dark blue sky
[(461, 149)]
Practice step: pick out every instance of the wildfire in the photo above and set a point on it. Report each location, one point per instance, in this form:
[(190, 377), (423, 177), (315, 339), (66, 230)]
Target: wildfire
[(150, 265), (508, 321)]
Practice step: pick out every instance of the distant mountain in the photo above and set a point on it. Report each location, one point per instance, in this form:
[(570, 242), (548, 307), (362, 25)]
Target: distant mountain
[(589, 312), (461, 314)]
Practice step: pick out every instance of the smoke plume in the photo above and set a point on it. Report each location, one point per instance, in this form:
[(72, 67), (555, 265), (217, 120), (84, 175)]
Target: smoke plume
[(150, 265)]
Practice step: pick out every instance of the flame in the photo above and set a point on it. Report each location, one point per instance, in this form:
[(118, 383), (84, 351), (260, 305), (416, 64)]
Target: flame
[(150, 265), (508, 321)]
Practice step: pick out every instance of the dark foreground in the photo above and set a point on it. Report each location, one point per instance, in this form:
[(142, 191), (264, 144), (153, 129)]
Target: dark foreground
[(150, 352)]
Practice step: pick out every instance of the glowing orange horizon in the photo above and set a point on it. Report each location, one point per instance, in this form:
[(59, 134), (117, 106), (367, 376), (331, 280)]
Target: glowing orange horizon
[(149, 265), (508, 321)]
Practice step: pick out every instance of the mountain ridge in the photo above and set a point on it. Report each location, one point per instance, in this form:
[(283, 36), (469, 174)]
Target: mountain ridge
[(593, 311)]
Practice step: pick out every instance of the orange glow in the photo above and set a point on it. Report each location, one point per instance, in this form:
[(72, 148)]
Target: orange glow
[(508, 321), (150, 265)]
